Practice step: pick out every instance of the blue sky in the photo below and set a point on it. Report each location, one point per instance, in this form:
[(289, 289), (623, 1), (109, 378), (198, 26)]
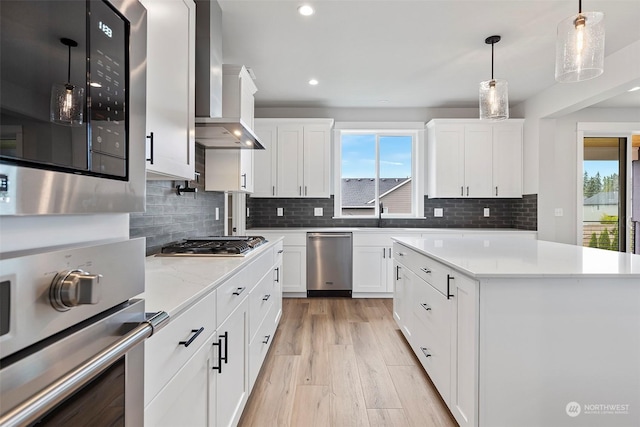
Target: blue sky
[(359, 154), (605, 167)]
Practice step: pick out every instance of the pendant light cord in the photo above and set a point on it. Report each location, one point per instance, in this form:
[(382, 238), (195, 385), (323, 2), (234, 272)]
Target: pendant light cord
[(69, 67), (492, 44), (579, 7)]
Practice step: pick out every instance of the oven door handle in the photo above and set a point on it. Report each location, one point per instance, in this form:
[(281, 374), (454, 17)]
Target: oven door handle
[(40, 403)]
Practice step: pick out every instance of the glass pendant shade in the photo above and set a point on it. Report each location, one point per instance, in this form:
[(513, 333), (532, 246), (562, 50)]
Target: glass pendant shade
[(494, 100), (580, 47), (66, 104), (67, 100)]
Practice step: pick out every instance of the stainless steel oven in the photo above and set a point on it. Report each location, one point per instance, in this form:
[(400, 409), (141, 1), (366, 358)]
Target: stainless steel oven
[(71, 336), (72, 106)]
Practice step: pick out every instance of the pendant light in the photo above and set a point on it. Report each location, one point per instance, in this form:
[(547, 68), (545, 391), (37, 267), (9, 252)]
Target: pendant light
[(494, 97), (580, 47), (66, 99)]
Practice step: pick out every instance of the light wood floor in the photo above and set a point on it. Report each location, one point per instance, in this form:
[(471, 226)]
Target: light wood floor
[(342, 362)]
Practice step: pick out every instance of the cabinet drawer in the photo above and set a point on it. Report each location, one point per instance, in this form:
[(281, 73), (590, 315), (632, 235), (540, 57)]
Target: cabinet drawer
[(168, 350), (184, 400), (260, 301), (278, 250), (430, 308), (231, 293), (259, 267), (427, 269), (261, 342), (434, 353)]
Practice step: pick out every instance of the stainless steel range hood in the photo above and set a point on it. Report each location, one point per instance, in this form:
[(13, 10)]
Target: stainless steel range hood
[(224, 109)]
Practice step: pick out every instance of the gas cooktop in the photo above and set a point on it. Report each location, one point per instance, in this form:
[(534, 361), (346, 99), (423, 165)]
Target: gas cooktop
[(213, 246)]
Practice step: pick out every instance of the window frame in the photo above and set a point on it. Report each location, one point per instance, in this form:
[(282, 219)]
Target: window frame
[(413, 129)]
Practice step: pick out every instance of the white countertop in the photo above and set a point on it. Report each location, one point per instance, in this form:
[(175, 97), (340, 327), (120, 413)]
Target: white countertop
[(515, 257), (174, 283), (254, 231)]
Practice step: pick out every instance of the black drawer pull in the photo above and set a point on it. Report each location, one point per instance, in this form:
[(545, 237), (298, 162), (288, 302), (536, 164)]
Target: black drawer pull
[(193, 337), (277, 274), (426, 270), (425, 351), (266, 298), (280, 251), (425, 306), (238, 291), (266, 339), (449, 277)]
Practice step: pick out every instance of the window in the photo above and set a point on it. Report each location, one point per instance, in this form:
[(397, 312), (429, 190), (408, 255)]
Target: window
[(378, 168)]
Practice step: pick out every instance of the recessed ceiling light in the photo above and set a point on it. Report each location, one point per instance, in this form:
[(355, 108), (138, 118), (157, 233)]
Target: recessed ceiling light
[(633, 89), (305, 10), (313, 82), (237, 132)]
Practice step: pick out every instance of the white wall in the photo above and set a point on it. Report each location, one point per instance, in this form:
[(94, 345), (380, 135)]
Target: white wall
[(550, 147)]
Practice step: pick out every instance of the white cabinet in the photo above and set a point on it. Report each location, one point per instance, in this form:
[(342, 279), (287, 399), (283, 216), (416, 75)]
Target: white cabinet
[(299, 163), (436, 309), (373, 274), (464, 351), (184, 401), (467, 158), (293, 273), (231, 378), (170, 89), (371, 269), (229, 170), (200, 368), (294, 265), (238, 91), (507, 160)]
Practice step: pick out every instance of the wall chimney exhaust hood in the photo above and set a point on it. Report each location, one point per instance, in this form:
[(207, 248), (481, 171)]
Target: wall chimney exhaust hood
[(224, 93)]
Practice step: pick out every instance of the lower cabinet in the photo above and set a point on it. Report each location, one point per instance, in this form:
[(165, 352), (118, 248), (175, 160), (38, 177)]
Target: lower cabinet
[(231, 367), (371, 269), (184, 401), (436, 310), (199, 369), (294, 264)]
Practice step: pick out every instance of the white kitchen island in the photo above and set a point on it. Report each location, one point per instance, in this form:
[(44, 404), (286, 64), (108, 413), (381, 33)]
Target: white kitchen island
[(521, 332)]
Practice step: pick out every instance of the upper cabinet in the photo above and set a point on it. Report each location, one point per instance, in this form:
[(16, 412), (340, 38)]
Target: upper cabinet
[(470, 158), (229, 170), (238, 91), (296, 161), (170, 89)]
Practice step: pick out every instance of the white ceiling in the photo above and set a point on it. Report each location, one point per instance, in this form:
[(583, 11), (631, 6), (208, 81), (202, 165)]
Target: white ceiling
[(407, 53)]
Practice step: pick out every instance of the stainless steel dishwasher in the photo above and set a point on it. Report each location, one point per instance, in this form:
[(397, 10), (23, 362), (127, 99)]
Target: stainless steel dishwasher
[(329, 264)]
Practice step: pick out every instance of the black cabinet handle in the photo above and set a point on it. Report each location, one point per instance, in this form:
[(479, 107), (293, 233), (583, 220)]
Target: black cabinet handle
[(425, 306), (193, 337), (426, 270), (150, 138), (277, 274), (397, 272), (280, 251), (449, 286), (496, 191), (266, 298), (425, 351), (266, 339), (238, 291), (221, 358)]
